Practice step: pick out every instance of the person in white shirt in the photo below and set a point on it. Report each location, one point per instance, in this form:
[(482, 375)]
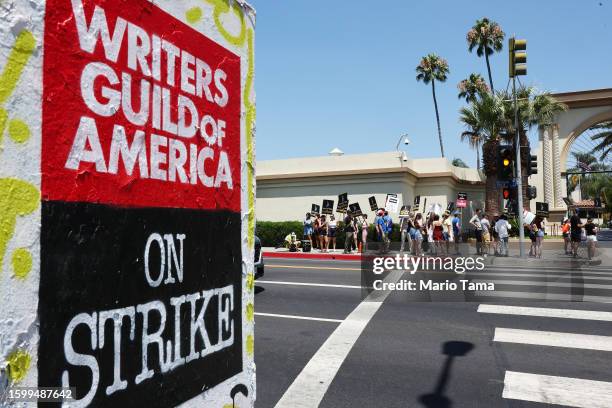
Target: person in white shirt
[(502, 226), (475, 222), (486, 236)]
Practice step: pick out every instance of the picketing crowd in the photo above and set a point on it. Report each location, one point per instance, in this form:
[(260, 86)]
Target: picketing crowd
[(435, 234)]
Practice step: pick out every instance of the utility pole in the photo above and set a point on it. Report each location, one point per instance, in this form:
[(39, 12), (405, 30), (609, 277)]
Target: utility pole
[(518, 67)]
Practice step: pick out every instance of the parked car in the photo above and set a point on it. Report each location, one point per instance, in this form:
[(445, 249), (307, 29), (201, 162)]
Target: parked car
[(259, 260)]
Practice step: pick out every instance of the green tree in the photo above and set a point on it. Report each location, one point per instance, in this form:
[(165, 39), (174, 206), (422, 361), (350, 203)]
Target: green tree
[(487, 37), (433, 68), (490, 118), (604, 139), (484, 122), (472, 87)]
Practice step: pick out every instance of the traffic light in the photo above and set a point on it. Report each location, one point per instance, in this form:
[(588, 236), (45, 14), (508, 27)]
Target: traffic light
[(518, 57), (506, 193), (532, 192), (532, 164), (505, 163)]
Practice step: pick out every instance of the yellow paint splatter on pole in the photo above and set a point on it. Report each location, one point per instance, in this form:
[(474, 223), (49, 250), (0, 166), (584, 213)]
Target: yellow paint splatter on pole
[(18, 131), (16, 62), (193, 15), (22, 263), (18, 364), (250, 345), (250, 312), (17, 198), (222, 7)]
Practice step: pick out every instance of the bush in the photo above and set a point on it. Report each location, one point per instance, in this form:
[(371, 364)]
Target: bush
[(273, 233)]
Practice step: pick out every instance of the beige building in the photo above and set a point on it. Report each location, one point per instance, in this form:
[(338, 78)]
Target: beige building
[(286, 189)]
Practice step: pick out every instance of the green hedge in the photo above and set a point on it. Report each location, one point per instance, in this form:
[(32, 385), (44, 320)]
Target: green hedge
[(273, 233)]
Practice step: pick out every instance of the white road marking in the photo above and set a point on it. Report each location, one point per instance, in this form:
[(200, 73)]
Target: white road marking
[(309, 387), (553, 284), (335, 268), (324, 285), (573, 392), (545, 296), (546, 312), (318, 319), (553, 269), (553, 339), (538, 275)]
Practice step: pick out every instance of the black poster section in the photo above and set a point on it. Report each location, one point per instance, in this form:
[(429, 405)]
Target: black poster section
[(92, 261), (328, 206), (373, 204)]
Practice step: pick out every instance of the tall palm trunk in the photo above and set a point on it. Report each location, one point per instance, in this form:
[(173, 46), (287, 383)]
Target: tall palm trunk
[(489, 165), (477, 155), (489, 71), (433, 91)]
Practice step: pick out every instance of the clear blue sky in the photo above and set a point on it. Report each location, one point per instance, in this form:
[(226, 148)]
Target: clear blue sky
[(342, 73)]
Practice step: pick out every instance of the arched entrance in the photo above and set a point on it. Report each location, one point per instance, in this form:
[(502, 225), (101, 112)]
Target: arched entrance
[(571, 133)]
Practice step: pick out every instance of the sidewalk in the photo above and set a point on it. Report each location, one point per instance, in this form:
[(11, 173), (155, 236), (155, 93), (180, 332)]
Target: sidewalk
[(552, 256), (270, 252)]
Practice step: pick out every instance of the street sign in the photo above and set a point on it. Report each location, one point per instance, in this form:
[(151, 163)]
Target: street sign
[(315, 209), (373, 204), (417, 202), (405, 211), (461, 200), (328, 206), (542, 210), (355, 210), (343, 203), (392, 203)]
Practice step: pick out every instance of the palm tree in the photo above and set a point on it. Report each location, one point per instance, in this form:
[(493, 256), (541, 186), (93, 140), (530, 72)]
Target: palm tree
[(491, 119), (487, 37), (472, 87), (484, 120), (535, 110), (604, 139), (432, 68)]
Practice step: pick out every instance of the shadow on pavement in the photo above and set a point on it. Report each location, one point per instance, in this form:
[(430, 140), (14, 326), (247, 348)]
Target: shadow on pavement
[(452, 349)]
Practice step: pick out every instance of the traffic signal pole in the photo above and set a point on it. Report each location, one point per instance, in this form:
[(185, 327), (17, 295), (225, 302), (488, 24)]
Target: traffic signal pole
[(519, 181), (518, 66)]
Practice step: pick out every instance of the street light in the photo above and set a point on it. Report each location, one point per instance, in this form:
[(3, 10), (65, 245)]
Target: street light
[(406, 141), (404, 137)]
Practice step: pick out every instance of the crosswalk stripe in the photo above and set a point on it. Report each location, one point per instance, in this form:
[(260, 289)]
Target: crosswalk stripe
[(518, 269), (553, 339), (546, 283), (546, 312), (573, 392), (538, 275), (324, 285), (283, 316), (544, 296)]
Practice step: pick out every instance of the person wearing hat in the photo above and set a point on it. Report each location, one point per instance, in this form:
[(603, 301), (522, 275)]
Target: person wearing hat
[(565, 230)]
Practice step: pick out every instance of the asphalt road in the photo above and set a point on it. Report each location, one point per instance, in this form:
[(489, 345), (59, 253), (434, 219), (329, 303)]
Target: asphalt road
[(322, 344)]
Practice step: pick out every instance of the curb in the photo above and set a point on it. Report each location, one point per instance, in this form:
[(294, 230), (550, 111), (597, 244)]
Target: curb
[(310, 255)]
